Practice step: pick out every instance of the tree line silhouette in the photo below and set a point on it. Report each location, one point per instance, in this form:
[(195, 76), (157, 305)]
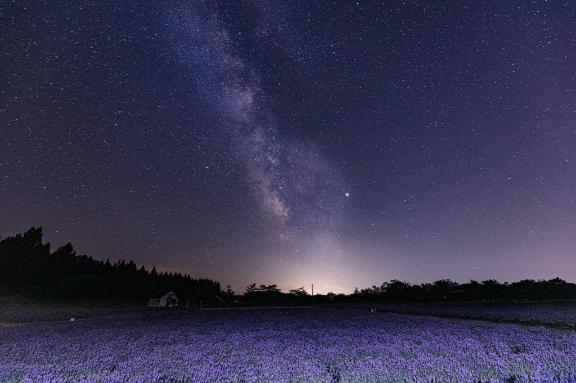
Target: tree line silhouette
[(448, 290), (443, 290), (28, 267)]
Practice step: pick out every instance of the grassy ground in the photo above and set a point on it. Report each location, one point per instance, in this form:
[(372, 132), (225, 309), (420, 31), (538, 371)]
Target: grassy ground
[(550, 314), (20, 309)]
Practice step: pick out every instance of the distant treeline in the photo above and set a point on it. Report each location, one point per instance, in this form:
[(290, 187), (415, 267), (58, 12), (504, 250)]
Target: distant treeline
[(440, 291), (489, 290), (28, 267), (272, 295)]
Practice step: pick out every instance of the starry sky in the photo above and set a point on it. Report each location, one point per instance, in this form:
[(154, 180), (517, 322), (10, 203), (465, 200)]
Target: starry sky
[(295, 142)]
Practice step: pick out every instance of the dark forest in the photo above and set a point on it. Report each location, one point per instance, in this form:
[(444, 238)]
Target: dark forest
[(28, 267)]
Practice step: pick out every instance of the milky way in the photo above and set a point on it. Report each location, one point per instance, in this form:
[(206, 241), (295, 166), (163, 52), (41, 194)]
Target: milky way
[(295, 142), (292, 180)]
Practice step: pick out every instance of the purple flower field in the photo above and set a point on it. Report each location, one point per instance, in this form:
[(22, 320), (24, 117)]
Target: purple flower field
[(282, 345)]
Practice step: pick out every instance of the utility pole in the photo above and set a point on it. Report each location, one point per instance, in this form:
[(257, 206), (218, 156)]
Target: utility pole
[(312, 293)]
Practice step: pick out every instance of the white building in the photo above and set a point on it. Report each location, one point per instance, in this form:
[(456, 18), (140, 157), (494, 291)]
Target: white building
[(167, 300)]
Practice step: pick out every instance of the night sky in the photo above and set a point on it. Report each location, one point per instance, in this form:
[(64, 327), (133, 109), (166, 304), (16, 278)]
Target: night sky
[(337, 143)]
